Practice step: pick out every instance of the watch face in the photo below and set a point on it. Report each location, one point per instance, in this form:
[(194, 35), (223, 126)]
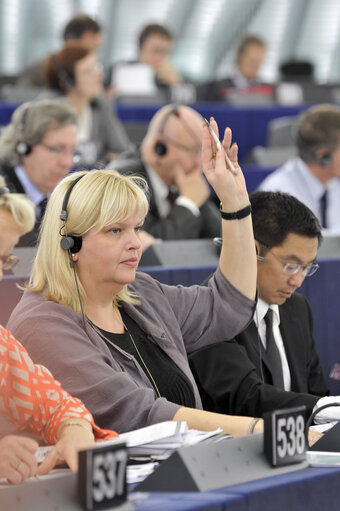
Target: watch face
[(102, 476), (285, 439)]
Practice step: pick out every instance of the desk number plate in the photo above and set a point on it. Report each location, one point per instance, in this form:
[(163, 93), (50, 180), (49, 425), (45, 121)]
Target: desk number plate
[(285, 439), (102, 476)]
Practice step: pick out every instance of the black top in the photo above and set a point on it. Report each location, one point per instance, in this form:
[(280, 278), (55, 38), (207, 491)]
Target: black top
[(170, 381)]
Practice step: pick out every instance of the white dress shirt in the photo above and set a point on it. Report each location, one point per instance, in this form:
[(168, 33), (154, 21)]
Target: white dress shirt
[(31, 190), (294, 177), (259, 315)]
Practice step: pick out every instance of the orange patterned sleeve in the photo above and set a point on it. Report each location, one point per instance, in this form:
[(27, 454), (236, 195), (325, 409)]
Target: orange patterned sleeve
[(32, 398)]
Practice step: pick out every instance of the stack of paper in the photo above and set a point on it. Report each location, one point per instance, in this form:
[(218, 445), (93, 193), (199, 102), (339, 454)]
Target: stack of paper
[(163, 438)]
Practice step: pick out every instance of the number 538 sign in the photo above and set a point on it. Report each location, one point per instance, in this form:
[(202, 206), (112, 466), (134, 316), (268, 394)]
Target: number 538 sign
[(102, 476), (285, 439)]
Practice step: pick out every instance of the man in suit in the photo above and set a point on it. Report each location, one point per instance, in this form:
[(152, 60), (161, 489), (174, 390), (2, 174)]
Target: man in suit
[(276, 353), (170, 160), (36, 152)]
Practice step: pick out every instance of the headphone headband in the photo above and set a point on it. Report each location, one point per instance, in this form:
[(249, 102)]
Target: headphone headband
[(160, 147), (21, 147), (71, 242), (63, 212)]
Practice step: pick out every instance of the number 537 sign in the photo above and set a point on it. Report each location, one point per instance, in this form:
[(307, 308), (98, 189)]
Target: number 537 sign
[(285, 439), (102, 476)]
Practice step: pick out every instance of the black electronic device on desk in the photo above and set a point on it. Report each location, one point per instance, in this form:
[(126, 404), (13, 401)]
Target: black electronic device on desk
[(329, 442), (215, 463)]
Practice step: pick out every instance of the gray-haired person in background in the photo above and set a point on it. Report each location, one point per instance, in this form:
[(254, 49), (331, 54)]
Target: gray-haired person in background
[(36, 152)]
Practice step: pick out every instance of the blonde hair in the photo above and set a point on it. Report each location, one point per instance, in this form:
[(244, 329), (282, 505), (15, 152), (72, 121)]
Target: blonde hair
[(99, 199), (19, 206)]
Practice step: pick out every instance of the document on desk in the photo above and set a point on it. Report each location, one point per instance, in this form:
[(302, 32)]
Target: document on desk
[(163, 438)]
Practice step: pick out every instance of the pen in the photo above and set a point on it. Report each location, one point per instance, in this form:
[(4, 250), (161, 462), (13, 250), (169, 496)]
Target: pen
[(219, 147)]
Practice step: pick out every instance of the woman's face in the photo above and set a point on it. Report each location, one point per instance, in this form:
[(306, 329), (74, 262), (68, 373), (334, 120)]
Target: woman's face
[(88, 77), (109, 258)]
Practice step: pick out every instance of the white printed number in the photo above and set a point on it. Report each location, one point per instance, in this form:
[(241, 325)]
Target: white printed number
[(109, 475), (290, 436)]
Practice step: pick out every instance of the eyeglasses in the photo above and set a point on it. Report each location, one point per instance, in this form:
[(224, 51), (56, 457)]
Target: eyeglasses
[(61, 151), (293, 268), (9, 261)]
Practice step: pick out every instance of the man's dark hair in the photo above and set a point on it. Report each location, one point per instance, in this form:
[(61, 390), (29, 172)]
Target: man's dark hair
[(277, 214), (81, 23), (153, 29), (250, 40), (318, 128)]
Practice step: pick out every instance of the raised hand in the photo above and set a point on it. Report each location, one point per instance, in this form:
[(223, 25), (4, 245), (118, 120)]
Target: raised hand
[(230, 189)]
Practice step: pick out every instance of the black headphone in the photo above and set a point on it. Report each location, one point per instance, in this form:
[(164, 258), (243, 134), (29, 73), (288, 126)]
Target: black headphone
[(62, 74), (160, 148), (72, 243), (325, 159), (309, 154), (21, 147)]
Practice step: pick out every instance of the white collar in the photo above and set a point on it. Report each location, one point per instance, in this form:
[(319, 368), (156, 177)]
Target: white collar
[(262, 309)]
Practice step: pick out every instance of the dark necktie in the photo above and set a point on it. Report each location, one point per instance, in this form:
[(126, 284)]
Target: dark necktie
[(273, 355), (42, 206), (172, 195), (323, 209)]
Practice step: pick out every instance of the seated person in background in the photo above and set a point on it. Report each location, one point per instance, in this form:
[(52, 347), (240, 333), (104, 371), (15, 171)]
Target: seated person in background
[(76, 74), (250, 55), (127, 334), (313, 176), (36, 152), (279, 342), (29, 395), (81, 31), (170, 160), (154, 42)]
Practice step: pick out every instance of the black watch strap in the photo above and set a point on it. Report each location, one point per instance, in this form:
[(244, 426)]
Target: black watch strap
[(236, 215)]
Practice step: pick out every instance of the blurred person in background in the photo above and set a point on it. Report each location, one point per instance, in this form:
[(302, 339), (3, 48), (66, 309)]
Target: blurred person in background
[(169, 159), (81, 31), (155, 44), (36, 152), (77, 74), (313, 176), (250, 56), (29, 395), (154, 48)]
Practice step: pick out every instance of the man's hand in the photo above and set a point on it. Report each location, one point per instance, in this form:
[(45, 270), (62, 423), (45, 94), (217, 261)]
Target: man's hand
[(192, 185)]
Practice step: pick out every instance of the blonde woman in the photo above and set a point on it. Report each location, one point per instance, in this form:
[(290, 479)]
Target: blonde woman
[(119, 339)]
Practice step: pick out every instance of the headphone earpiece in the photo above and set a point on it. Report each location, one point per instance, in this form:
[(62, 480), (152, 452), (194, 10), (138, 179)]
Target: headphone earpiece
[(325, 160), (22, 149), (62, 74), (71, 243), (160, 149)]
